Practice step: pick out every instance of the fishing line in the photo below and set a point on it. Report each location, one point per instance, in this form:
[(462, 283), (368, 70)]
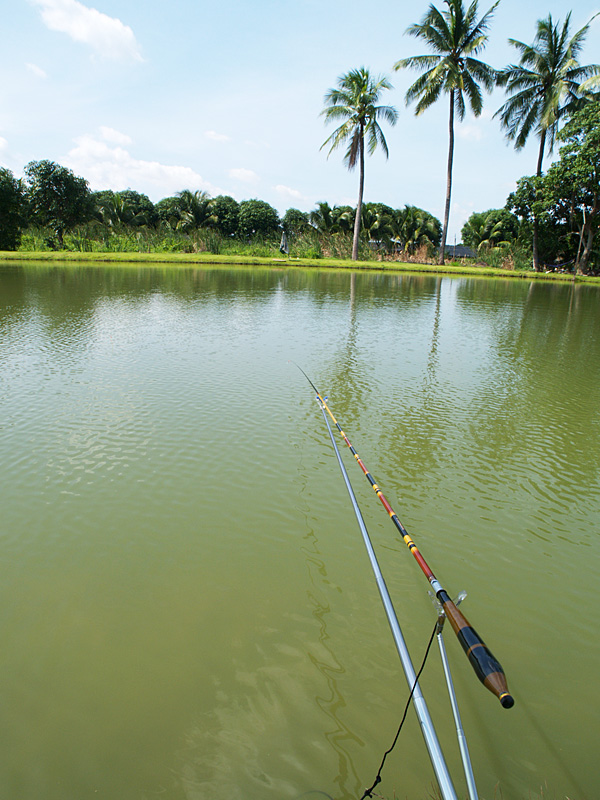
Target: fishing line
[(369, 792)]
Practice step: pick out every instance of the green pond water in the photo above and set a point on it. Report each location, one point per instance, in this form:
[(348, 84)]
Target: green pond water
[(186, 605)]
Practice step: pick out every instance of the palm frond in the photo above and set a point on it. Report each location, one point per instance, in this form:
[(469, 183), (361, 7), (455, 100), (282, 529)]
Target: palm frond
[(337, 112), (417, 62), (481, 72), (427, 88), (377, 139), (338, 137), (459, 104), (437, 40), (592, 84), (354, 148), (473, 92), (476, 32), (387, 113)]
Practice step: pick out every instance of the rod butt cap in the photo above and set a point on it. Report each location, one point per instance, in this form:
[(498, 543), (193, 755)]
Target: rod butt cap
[(507, 700)]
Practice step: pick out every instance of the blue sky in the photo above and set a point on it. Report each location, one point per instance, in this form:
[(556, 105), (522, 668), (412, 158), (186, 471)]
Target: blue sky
[(226, 97)]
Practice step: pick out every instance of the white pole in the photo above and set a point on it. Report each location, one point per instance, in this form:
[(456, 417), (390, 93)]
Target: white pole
[(462, 739)]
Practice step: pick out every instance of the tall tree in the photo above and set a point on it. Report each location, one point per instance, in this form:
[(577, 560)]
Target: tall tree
[(258, 217), (544, 87), (139, 208), (224, 214), (455, 36), (295, 221), (571, 187), (354, 104), (57, 197)]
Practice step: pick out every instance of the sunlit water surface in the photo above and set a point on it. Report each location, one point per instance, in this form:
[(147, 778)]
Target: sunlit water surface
[(186, 606)]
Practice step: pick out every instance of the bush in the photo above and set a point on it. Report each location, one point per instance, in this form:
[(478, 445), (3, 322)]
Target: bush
[(257, 217)]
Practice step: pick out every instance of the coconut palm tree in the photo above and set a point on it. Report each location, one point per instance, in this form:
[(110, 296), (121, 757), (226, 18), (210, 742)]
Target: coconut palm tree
[(455, 36), (485, 230), (544, 87), (115, 209), (377, 223), (321, 218), (354, 103), (416, 227), (193, 209)]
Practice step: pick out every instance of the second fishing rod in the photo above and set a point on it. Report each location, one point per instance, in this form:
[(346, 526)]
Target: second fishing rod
[(487, 668)]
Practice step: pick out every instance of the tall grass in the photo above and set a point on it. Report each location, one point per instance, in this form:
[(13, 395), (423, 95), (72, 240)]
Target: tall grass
[(510, 257), (95, 237)]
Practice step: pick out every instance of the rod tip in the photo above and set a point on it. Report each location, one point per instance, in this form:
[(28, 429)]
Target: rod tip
[(507, 700)]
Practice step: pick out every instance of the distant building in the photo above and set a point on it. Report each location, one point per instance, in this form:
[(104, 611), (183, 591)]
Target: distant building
[(460, 251)]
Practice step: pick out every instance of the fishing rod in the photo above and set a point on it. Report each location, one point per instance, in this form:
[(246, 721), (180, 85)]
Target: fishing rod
[(431, 741), (487, 668)]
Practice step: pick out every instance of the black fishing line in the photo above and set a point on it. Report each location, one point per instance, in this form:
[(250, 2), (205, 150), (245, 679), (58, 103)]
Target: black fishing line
[(368, 792)]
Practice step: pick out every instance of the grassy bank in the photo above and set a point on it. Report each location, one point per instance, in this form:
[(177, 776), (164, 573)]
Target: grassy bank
[(205, 259)]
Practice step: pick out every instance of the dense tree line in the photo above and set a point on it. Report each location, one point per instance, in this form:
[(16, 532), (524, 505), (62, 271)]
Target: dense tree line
[(565, 201), (51, 197)]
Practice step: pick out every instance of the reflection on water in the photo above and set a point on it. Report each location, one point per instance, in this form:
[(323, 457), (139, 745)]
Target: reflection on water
[(186, 606)]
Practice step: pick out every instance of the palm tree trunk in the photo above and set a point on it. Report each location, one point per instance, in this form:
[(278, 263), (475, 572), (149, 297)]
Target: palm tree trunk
[(541, 153), (448, 179), (361, 187), (536, 254)]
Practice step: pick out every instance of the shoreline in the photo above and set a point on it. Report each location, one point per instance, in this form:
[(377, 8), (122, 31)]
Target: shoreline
[(208, 259)]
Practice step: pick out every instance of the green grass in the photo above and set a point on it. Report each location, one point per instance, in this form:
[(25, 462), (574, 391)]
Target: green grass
[(99, 244)]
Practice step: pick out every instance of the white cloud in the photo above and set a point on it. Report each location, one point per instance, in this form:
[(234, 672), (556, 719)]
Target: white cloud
[(217, 137), (3, 143), (113, 167), (37, 71), (106, 35), (286, 191), (244, 175), (114, 137)]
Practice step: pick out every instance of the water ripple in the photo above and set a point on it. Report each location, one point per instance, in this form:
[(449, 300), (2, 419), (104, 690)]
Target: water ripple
[(185, 593)]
